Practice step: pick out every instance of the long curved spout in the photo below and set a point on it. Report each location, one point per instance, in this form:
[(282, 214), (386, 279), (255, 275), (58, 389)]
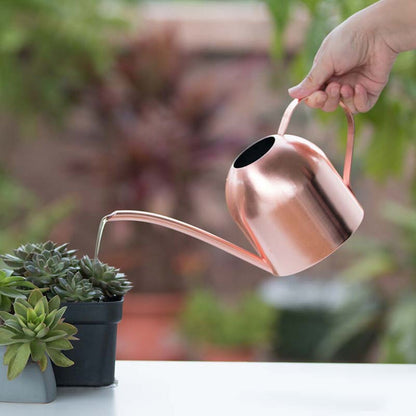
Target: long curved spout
[(188, 229)]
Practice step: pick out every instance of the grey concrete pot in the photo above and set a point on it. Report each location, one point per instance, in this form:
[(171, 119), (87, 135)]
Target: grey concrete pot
[(31, 386)]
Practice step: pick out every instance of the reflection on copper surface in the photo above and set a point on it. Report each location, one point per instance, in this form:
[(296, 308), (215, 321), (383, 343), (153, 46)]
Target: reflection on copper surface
[(288, 200)]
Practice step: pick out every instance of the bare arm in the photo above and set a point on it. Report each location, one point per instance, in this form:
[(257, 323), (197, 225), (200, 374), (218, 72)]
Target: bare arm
[(354, 61)]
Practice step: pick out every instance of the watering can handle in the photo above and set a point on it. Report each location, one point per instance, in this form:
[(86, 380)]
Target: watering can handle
[(350, 135)]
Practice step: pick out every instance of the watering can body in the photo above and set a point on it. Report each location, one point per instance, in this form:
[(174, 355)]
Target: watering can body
[(290, 202), (287, 198)]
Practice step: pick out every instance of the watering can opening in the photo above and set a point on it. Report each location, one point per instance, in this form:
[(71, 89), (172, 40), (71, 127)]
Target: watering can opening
[(254, 152)]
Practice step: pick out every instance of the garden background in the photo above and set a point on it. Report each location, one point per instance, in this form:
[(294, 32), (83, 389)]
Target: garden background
[(112, 104)]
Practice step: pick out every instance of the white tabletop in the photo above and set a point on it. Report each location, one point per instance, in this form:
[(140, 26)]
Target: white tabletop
[(197, 389)]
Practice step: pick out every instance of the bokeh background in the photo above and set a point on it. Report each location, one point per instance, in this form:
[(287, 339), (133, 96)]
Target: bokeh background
[(116, 104)]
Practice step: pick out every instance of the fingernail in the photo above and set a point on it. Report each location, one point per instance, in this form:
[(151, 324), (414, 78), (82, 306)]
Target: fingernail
[(321, 99), (292, 90), (333, 91), (346, 94), (297, 92)]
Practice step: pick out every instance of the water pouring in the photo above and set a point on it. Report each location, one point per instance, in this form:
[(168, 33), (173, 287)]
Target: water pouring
[(286, 197)]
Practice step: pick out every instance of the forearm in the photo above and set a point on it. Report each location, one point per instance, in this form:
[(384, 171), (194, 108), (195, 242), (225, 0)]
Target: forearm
[(395, 21)]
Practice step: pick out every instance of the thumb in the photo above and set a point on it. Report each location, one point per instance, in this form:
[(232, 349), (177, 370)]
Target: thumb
[(319, 73)]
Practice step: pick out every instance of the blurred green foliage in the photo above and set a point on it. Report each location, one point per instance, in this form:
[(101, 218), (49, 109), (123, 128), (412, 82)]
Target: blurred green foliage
[(389, 309), (50, 53), (207, 320), (380, 304), (50, 50), (392, 120), (23, 218)]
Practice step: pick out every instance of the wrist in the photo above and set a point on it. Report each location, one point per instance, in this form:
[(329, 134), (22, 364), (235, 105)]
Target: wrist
[(395, 22)]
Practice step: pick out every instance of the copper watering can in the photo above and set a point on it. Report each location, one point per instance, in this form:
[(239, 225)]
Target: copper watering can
[(287, 198)]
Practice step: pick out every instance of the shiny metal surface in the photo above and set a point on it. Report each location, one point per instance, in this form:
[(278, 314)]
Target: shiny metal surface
[(200, 234), (287, 198)]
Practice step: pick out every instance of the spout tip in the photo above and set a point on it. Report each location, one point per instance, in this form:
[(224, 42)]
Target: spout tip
[(109, 216)]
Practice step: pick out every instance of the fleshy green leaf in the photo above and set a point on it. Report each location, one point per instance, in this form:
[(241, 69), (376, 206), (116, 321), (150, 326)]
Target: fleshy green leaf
[(60, 344), (55, 334), (19, 361), (13, 324), (54, 303), (43, 332), (43, 363), (10, 353), (4, 315), (34, 297), (58, 317), (37, 350), (22, 323), (5, 303), (50, 318), (20, 308), (58, 358), (6, 336), (11, 292), (28, 332), (40, 307), (68, 328), (40, 327), (31, 315), (25, 303)]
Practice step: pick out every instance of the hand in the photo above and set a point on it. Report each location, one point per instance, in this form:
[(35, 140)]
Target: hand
[(353, 65)]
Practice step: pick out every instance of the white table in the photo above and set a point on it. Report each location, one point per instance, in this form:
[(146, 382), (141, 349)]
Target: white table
[(197, 389)]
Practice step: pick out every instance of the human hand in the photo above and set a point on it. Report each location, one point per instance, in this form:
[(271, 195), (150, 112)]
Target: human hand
[(352, 65)]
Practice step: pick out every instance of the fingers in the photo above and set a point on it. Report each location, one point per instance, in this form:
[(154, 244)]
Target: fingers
[(317, 99), (347, 96), (361, 100), (356, 99), (333, 93), (327, 100), (318, 75)]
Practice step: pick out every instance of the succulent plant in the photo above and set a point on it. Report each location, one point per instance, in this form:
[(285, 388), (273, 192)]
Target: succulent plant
[(74, 288), (45, 268), (109, 279), (12, 287), (57, 270), (26, 252), (36, 330)]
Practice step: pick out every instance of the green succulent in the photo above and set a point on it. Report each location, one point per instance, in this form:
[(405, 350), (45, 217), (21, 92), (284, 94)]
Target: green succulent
[(74, 288), (36, 330), (45, 268), (12, 287), (109, 279), (26, 252)]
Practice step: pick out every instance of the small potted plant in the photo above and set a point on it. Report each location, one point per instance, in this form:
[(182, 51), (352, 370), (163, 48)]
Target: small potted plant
[(93, 295), (221, 332), (30, 337)]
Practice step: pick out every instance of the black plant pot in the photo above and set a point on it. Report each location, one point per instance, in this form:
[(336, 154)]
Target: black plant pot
[(95, 352)]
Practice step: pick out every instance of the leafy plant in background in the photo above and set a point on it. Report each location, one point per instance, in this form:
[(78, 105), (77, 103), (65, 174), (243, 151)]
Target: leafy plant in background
[(208, 321), (22, 218), (50, 50), (157, 126), (56, 268), (382, 305), (160, 120), (391, 118), (35, 331)]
